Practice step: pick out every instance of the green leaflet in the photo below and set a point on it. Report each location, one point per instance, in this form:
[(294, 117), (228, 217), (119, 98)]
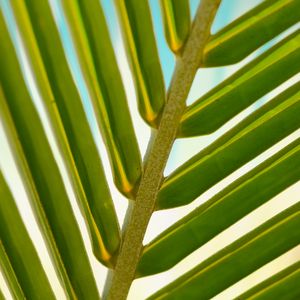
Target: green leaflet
[(283, 285), (29, 184), (49, 196), (252, 136), (9, 274), (1, 295), (177, 22), (230, 205), (140, 41), (18, 257), (251, 30), (243, 88), (247, 254), (99, 66), (72, 131)]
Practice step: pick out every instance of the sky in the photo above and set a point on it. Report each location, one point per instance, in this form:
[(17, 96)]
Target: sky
[(183, 149)]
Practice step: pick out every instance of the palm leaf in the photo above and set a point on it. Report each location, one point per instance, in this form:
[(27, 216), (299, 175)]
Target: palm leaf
[(170, 119), (1, 295), (70, 125), (76, 272), (139, 37), (105, 86), (243, 88), (282, 284), (230, 205), (10, 275), (35, 202), (257, 26), (17, 255), (248, 253), (177, 22), (239, 145)]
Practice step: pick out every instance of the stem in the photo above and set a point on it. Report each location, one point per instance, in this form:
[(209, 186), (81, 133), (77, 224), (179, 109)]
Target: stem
[(186, 68)]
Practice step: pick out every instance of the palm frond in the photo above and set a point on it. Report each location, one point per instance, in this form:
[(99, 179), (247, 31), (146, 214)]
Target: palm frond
[(243, 88), (70, 125), (230, 205), (246, 140), (17, 254), (177, 22), (140, 41), (169, 118), (241, 37), (280, 285), (9, 275), (1, 295), (97, 59), (70, 252), (247, 254)]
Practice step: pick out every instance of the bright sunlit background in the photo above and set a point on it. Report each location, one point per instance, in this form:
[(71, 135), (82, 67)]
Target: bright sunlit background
[(183, 149)]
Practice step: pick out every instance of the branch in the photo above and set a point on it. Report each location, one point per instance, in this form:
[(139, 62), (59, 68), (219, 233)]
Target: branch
[(186, 68)]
